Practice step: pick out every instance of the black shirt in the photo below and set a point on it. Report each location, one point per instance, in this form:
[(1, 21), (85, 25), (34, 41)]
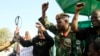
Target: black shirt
[(41, 46), (89, 35)]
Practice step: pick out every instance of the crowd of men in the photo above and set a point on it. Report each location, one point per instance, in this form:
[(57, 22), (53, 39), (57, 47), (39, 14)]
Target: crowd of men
[(68, 38)]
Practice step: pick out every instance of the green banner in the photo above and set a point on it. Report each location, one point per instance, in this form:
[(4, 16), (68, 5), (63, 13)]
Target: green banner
[(68, 6)]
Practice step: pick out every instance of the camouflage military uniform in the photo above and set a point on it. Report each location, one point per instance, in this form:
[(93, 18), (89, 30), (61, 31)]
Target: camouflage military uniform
[(63, 43)]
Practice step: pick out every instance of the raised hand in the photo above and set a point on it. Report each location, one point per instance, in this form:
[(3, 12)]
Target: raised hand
[(16, 34), (40, 26), (45, 6), (17, 30), (79, 6)]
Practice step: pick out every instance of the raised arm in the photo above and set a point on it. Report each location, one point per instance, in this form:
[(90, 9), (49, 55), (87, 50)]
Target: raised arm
[(23, 42), (48, 25), (44, 9), (74, 24), (49, 39), (43, 19)]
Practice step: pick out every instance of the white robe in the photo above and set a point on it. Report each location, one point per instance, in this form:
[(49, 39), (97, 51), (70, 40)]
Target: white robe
[(26, 51)]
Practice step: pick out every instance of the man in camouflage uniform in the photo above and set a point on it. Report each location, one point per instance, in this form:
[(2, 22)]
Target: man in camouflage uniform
[(64, 37)]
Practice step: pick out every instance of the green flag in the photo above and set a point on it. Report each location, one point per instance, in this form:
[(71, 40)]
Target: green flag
[(68, 6)]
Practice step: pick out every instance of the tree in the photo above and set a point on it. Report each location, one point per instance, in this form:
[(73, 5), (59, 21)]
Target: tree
[(5, 35)]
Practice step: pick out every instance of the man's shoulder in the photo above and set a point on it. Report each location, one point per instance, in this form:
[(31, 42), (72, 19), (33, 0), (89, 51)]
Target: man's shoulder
[(86, 29), (35, 37)]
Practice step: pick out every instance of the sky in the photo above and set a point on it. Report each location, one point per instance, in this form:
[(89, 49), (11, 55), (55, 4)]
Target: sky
[(29, 11)]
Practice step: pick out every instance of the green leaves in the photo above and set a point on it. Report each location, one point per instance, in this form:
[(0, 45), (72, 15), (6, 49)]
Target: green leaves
[(5, 34)]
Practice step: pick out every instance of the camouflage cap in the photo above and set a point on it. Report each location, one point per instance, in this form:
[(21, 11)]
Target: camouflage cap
[(62, 16)]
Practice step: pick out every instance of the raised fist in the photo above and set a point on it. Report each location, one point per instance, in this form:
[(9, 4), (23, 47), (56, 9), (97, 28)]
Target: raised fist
[(79, 6), (45, 6)]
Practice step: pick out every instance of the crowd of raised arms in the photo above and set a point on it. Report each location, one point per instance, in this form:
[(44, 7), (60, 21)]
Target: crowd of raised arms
[(68, 39)]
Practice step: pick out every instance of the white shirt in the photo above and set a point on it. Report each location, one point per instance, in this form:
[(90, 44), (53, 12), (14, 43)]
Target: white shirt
[(27, 51)]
